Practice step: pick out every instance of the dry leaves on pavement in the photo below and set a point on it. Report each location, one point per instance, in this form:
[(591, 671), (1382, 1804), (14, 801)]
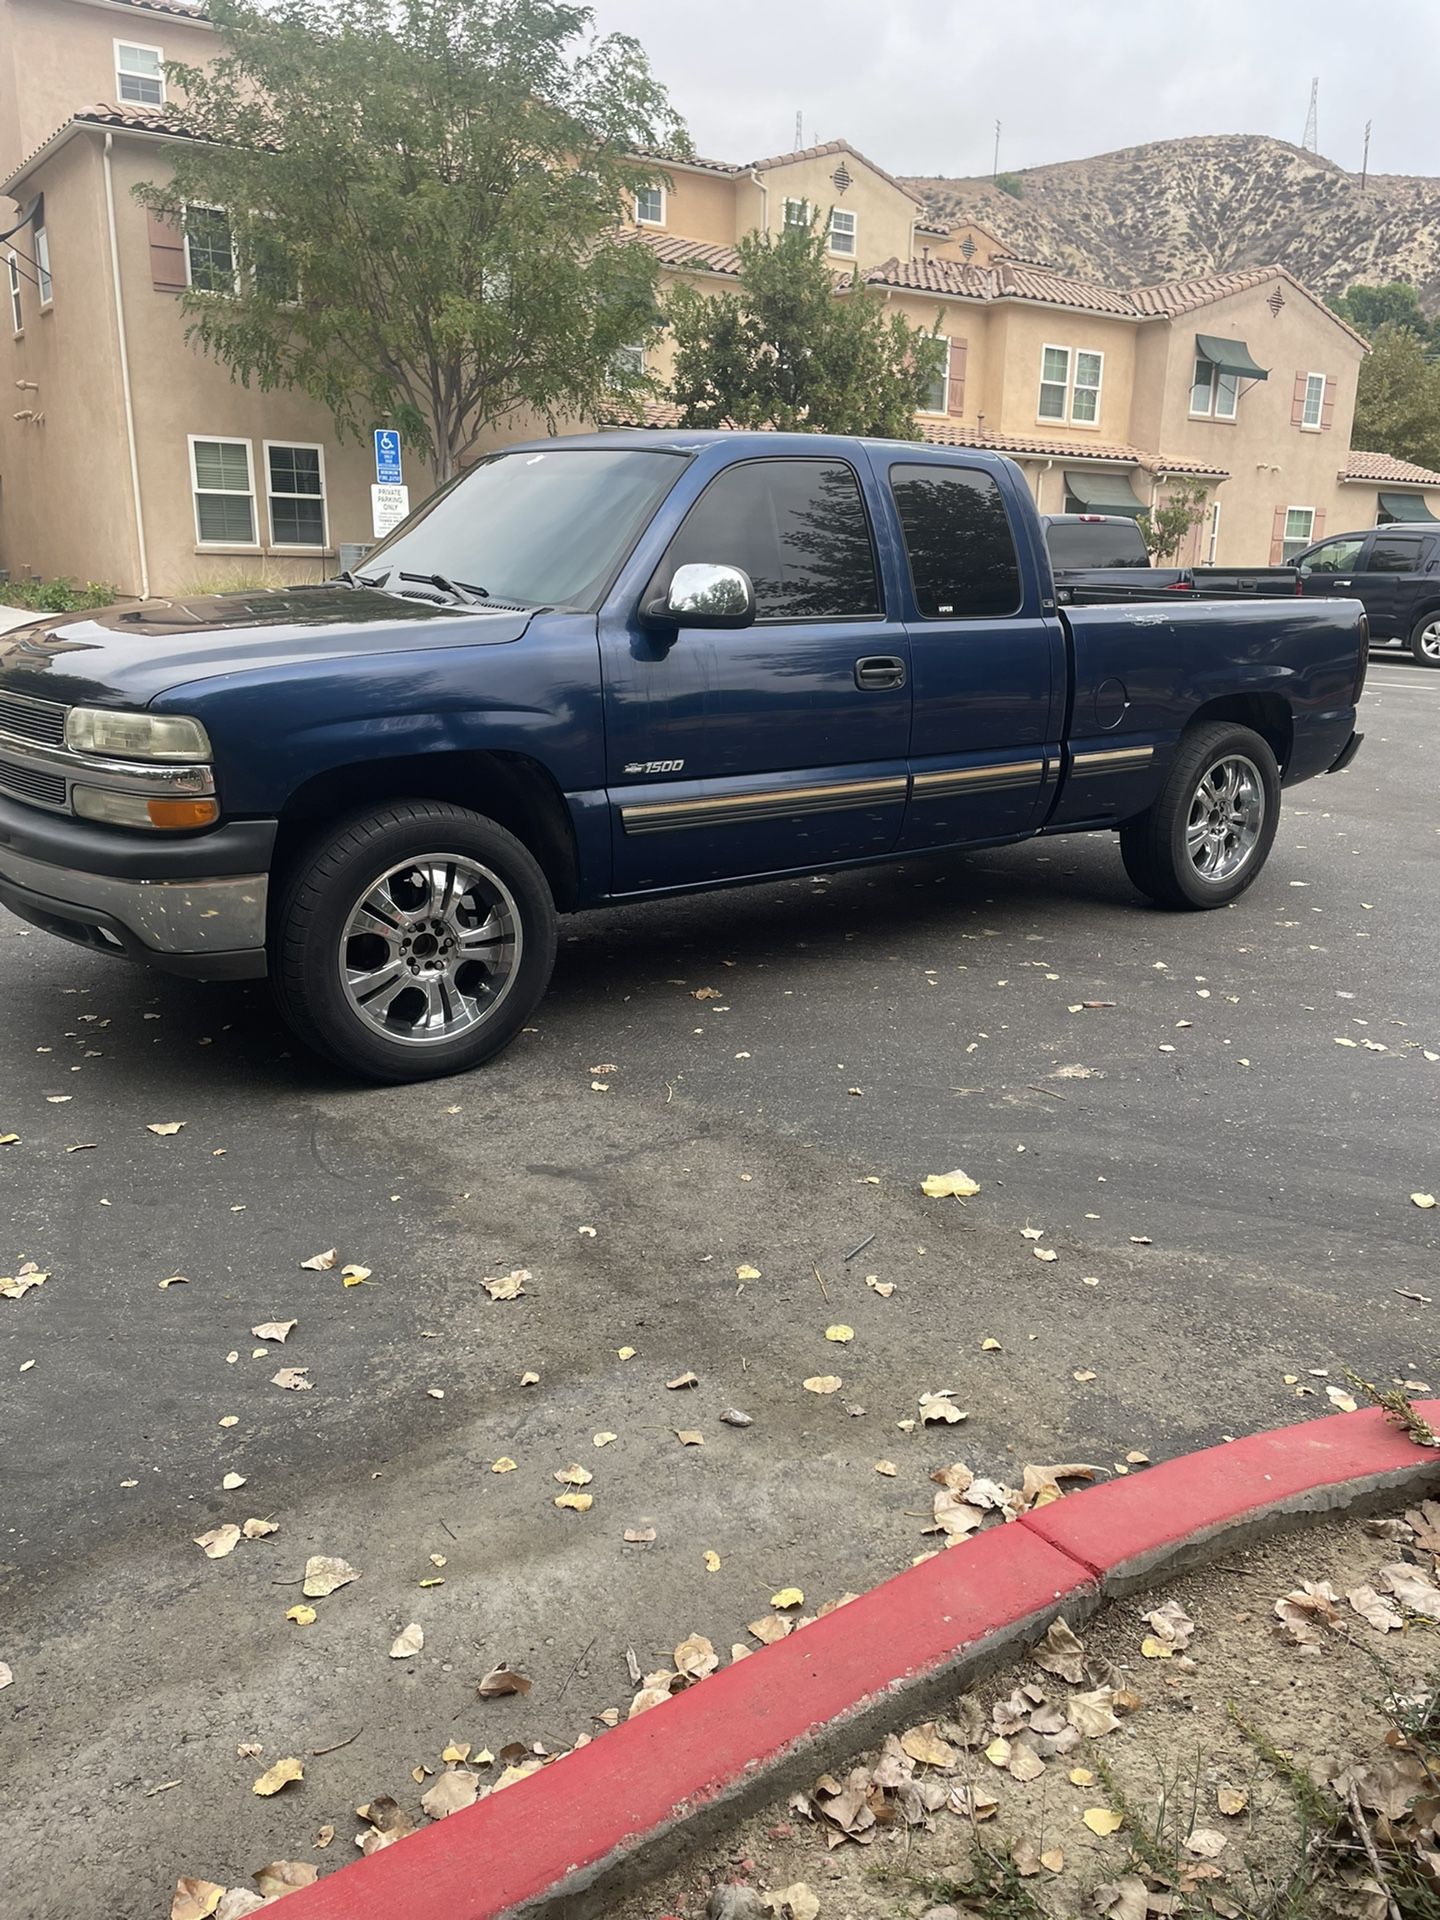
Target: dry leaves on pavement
[(219, 1541), (408, 1642), (943, 1186), (503, 1680), (509, 1286), (293, 1379), (451, 1792), (16, 1286), (325, 1574), (282, 1774), (274, 1330), (321, 1262)]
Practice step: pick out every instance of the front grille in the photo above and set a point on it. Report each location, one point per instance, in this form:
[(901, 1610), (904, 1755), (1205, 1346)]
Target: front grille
[(26, 719), (27, 783)]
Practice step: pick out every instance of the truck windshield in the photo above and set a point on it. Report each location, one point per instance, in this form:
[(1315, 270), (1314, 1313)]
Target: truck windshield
[(1095, 543), (547, 527)]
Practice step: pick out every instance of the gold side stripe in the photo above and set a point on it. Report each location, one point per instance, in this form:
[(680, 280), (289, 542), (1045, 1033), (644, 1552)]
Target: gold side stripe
[(660, 814), (962, 779), (1114, 759)]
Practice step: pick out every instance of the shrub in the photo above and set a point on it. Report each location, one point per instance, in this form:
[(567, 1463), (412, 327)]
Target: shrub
[(57, 596)]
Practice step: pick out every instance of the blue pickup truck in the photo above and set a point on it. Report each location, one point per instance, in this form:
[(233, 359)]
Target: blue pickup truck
[(607, 667)]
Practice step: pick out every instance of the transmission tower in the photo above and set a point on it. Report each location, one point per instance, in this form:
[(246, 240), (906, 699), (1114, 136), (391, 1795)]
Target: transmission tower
[(1311, 142)]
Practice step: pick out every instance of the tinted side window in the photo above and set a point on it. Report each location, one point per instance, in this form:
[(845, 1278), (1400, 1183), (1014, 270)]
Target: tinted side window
[(1336, 556), (1395, 555), (1096, 543), (957, 535), (797, 527)]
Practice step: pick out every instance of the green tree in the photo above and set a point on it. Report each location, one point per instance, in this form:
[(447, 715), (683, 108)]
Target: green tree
[(792, 350), (1395, 304), (424, 201), (1010, 183), (1169, 525), (1397, 406)]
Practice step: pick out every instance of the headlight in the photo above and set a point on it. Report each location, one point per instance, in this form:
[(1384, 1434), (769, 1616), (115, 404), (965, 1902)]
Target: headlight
[(135, 810), (135, 736)]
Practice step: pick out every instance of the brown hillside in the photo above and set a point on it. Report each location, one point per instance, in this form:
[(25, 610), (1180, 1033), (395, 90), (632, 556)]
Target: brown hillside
[(1174, 208)]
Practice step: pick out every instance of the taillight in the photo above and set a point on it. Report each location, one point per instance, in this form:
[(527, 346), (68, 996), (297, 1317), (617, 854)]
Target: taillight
[(1181, 586)]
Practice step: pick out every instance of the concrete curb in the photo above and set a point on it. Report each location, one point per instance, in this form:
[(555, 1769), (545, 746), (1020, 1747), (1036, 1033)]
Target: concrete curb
[(563, 1841)]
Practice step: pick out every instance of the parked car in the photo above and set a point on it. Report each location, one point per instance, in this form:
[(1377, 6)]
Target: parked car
[(1394, 572), (1099, 558), (605, 668)]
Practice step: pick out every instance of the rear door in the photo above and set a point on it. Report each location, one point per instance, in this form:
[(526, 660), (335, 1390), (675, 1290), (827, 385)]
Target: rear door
[(774, 746), (1388, 584), (986, 649)]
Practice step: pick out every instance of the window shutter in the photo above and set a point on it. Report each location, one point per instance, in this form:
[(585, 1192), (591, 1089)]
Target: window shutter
[(955, 377), (1317, 531), (1327, 406), (167, 254), (1297, 404), (1277, 538)]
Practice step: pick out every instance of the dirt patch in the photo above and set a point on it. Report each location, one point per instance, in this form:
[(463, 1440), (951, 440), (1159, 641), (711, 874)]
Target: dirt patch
[(1209, 1818)]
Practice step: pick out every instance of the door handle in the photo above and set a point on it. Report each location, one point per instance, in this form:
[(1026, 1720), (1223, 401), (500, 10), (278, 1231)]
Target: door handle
[(879, 671), (1344, 583)]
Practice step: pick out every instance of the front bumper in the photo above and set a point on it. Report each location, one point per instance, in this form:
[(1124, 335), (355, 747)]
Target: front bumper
[(194, 907)]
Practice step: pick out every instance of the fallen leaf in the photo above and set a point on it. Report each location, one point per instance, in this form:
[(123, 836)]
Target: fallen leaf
[(1045, 1253), (1411, 1588), (509, 1287), (292, 1378), (194, 1899), (503, 1465), (990, 1345), (822, 1383), (573, 1476), (451, 1792), (575, 1502), (457, 1751), (1061, 1653), (939, 1408), (792, 1903), (273, 1329), (321, 1262), (6, 1674), (1053, 1860), (529, 1378), (1092, 1714), (354, 1276), (941, 1186), (1025, 1764), (228, 1420), (876, 1285), (218, 1541), (1304, 1611), (706, 993), (625, 1353), (232, 1481), (1231, 1800), (1081, 1777), (712, 1560), (175, 1280), (1171, 1624), (17, 1286), (887, 1467), (747, 1273), (787, 1597), (1084, 1376), (639, 1536), (690, 1436), (734, 1417), (695, 1657), (283, 1876), (325, 1574), (303, 1616), (1205, 1843), (164, 1127), (410, 1641), (280, 1775), (324, 1836), (602, 1439), (840, 1335), (1425, 1200), (770, 1629), (1338, 1397), (926, 1748), (1102, 1821), (501, 1681)]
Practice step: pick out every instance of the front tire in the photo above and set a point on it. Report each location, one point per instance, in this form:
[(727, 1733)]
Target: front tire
[(1425, 640), (414, 941), (1206, 837)]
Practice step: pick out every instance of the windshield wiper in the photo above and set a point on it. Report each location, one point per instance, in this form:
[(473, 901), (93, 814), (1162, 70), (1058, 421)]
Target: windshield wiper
[(358, 580), (468, 596)]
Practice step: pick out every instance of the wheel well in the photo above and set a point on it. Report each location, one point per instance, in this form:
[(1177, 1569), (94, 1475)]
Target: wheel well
[(518, 794), (1267, 714)]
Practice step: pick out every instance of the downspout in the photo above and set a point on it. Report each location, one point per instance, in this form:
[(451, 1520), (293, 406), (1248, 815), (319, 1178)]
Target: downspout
[(1040, 479), (124, 346)]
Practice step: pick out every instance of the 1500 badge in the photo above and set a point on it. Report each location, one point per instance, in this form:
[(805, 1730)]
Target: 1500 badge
[(655, 766)]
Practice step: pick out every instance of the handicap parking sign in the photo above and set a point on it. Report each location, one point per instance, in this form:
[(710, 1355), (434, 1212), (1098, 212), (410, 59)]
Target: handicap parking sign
[(387, 457)]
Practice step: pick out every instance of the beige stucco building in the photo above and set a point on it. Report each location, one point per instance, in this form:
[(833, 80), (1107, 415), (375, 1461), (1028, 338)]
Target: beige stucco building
[(126, 456)]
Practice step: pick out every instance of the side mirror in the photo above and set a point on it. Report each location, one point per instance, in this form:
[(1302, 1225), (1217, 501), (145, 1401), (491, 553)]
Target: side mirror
[(703, 595)]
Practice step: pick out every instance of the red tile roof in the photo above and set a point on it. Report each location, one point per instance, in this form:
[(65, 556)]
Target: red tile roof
[(1360, 465), (672, 250), (148, 120), (686, 160), (824, 153)]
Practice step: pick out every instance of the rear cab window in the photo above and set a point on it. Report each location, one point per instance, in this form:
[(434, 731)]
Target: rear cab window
[(1095, 543), (798, 528), (959, 543)]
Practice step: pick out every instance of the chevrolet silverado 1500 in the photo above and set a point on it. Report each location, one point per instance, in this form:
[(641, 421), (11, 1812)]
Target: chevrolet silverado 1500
[(619, 665)]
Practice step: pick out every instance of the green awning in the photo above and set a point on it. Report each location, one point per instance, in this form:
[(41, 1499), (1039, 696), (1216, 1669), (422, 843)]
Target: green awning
[(1230, 356), (1405, 506), (1104, 493)]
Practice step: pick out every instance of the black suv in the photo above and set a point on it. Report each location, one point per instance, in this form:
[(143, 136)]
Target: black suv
[(1394, 572)]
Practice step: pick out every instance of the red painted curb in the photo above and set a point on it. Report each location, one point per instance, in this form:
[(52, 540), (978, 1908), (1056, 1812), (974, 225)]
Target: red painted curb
[(511, 1849), (1120, 1530), (541, 1843)]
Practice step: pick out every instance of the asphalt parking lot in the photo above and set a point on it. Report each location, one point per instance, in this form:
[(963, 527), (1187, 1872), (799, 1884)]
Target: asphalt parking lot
[(757, 1080)]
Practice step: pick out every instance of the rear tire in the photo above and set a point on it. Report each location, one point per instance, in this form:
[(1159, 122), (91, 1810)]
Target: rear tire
[(1425, 640), (1208, 834), (413, 941)]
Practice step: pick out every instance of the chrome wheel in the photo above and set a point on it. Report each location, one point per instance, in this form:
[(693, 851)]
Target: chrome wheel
[(1427, 642), (1227, 816), (430, 949)]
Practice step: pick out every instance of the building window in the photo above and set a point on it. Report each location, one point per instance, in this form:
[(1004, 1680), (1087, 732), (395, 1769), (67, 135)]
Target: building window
[(797, 213), (842, 231), (1213, 394), (937, 395), (1214, 540), (17, 311), (140, 74), (210, 251), (1314, 405), (42, 267), (1299, 528), (295, 482), (628, 362), (224, 489), (1070, 385), (650, 207)]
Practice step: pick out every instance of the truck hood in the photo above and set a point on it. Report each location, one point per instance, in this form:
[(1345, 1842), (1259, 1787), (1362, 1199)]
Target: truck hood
[(126, 656)]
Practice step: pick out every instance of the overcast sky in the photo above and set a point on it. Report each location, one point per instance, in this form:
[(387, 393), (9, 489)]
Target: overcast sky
[(917, 84)]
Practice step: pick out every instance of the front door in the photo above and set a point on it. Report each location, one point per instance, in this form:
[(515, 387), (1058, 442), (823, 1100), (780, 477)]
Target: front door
[(1394, 564), (775, 746), (987, 659)]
